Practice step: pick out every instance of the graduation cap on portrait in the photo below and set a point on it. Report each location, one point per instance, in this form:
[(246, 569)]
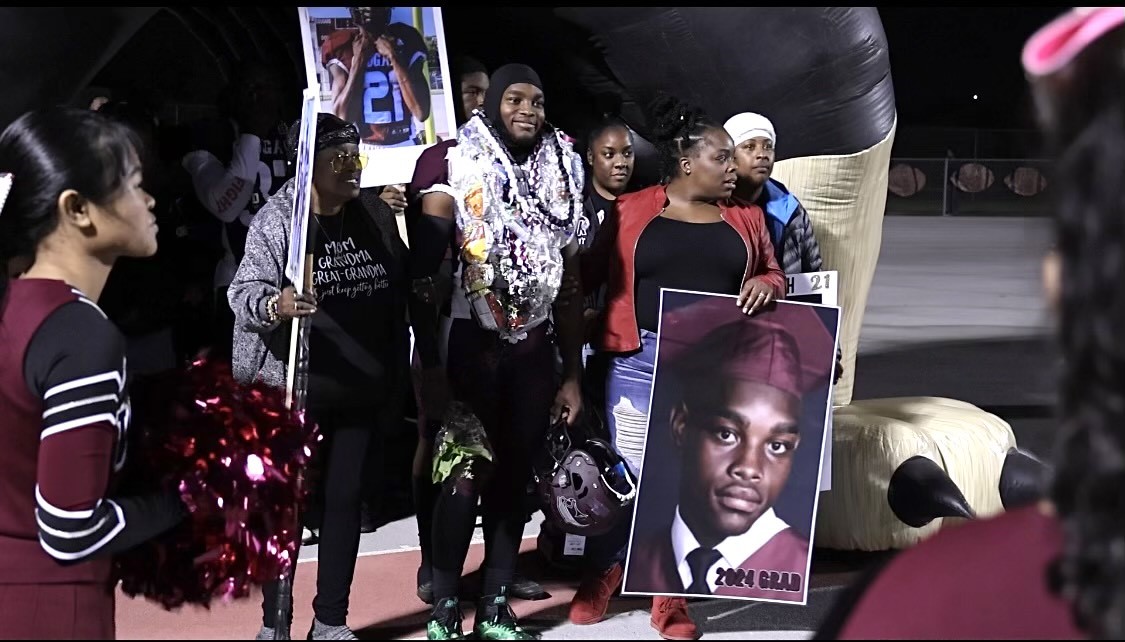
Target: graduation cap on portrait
[(787, 347)]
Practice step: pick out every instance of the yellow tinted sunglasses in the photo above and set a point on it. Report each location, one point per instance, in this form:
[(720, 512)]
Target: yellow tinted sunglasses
[(348, 162)]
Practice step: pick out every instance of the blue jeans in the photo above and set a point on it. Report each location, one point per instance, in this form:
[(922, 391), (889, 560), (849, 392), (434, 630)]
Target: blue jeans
[(628, 392)]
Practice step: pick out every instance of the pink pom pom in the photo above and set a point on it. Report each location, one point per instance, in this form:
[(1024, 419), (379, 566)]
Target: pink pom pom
[(236, 455)]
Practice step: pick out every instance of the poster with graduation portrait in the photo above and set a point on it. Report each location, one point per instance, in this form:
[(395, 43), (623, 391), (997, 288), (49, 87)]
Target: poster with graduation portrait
[(736, 434)]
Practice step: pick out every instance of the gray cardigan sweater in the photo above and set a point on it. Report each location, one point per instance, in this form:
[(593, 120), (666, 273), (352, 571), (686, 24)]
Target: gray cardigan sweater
[(261, 348)]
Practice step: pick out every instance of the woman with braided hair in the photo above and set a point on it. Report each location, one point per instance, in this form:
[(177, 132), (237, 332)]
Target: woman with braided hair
[(653, 240), (1054, 570)]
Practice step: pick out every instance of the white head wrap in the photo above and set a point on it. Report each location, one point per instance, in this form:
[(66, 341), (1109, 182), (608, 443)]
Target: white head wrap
[(747, 125)]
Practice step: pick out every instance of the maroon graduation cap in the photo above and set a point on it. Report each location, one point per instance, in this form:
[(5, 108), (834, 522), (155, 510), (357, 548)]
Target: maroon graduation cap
[(786, 347)]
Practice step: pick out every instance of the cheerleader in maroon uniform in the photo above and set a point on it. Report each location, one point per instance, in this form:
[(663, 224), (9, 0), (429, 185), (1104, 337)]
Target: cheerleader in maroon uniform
[(75, 205)]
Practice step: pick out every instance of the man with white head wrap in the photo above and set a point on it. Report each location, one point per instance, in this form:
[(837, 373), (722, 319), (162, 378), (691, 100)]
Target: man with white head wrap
[(790, 230)]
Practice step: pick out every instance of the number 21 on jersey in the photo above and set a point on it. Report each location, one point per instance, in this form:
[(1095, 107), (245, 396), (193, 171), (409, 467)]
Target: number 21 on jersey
[(382, 102)]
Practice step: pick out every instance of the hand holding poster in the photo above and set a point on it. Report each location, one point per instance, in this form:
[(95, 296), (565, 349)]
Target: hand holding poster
[(384, 69), (736, 431)]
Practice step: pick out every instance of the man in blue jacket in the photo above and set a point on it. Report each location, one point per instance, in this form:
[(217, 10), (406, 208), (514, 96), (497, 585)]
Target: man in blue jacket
[(791, 232), (788, 223)]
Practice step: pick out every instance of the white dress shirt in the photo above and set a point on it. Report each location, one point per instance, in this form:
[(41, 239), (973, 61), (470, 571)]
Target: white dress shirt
[(734, 550)]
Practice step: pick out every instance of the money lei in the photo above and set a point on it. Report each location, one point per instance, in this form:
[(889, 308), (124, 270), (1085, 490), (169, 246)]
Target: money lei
[(512, 239)]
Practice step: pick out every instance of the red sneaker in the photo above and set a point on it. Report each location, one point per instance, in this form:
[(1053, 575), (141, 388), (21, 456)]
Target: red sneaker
[(592, 599), (671, 620)]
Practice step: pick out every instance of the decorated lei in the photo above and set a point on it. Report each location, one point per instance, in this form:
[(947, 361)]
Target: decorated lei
[(514, 222)]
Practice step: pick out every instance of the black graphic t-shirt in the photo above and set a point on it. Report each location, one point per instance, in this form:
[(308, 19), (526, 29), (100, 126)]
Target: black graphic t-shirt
[(597, 208), (351, 343), (594, 214)]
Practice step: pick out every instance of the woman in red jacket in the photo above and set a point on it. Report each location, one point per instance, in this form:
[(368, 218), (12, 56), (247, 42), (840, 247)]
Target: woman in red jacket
[(685, 234)]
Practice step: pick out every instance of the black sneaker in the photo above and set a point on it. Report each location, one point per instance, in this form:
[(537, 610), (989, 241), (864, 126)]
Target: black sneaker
[(367, 521), (426, 592), (310, 536), (445, 621), (496, 621), (527, 589), (425, 580)]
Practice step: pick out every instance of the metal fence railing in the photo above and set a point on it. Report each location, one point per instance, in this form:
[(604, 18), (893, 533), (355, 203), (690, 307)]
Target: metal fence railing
[(964, 186), (966, 142)]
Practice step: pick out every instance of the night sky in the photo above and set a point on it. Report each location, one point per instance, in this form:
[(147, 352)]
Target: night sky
[(941, 56)]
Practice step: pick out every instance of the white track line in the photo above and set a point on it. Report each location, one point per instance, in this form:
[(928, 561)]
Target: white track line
[(401, 549)]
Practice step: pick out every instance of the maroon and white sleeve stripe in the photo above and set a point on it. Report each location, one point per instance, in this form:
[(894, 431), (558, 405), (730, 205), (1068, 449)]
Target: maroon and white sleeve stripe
[(76, 364), (80, 447)]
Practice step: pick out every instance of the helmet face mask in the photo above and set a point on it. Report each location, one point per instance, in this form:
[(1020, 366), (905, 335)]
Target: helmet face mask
[(373, 20), (615, 473)]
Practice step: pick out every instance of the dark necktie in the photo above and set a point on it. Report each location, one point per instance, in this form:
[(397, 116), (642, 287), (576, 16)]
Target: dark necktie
[(699, 561)]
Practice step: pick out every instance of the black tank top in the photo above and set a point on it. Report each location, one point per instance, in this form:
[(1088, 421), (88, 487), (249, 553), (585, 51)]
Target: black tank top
[(703, 257)]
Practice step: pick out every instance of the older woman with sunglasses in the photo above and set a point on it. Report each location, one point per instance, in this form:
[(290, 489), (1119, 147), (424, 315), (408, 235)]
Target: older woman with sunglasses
[(358, 352)]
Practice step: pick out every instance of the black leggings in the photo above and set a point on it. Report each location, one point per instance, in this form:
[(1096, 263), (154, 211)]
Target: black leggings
[(510, 387), (425, 501), (350, 455)]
